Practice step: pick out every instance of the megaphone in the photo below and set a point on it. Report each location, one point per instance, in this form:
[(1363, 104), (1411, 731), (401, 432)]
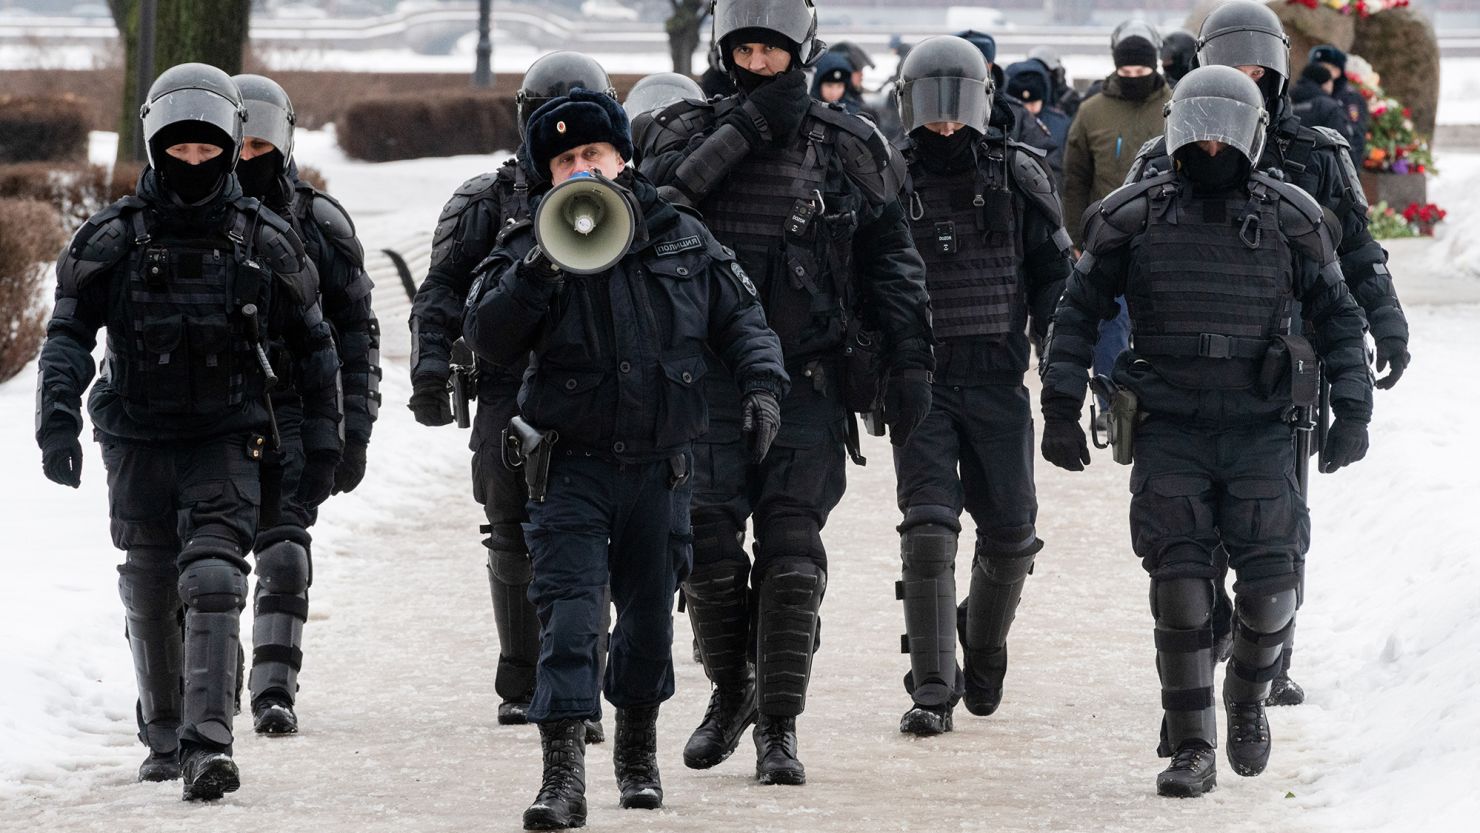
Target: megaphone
[(585, 224)]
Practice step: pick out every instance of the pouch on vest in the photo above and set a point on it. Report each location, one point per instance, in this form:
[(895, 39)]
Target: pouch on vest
[(1292, 358)]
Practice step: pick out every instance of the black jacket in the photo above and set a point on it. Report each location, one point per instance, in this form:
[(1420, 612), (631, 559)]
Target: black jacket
[(618, 356), (99, 278), (1317, 108)]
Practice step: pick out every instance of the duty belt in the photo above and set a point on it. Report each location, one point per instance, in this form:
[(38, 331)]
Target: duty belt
[(1203, 345)]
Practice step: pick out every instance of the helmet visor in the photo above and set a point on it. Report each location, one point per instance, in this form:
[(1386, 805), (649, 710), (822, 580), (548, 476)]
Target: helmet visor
[(193, 104), (266, 120), (1214, 118), (1246, 47), (926, 100)]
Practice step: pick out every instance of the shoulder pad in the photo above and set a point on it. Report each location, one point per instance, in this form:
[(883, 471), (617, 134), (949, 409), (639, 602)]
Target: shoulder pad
[(1151, 153), (101, 242), (1121, 214), (1303, 221), (335, 224), (1330, 138), (279, 249), (477, 189), (869, 161), (678, 122), (1041, 153), (1035, 182), (510, 229)]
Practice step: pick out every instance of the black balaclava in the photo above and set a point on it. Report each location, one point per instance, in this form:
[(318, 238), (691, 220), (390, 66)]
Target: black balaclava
[(945, 154), (1137, 51), (746, 80), (260, 176), (192, 184), (1139, 89), (1212, 174)]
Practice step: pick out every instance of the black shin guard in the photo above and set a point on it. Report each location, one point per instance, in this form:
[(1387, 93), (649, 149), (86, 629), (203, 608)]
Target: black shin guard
[(151, 604), (280, 608), (214, 591), (1183, 609), (788, 597), (928, 590), (514, 617)]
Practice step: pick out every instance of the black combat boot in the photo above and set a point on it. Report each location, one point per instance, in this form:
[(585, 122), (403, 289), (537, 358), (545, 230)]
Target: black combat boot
[(730, 712), (273, 714), (1248, 738), (925, 721), (1284, 691), (594, 732), (209, 774), (513, 713), (635, 758), (776, 751), (1192, 772), (561, 802), (160, 766)]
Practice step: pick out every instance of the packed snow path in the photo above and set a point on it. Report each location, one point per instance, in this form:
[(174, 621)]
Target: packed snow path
[(398, 707)]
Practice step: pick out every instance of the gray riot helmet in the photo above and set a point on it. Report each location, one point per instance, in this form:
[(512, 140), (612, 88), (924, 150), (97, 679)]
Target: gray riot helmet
[(555, 75), (1217, 103), (193, 93), (654, 92), (1135, 29), (269, 113), (1242, 33), (794, 20), (1178, 54), (1047, 56), (945, 78)]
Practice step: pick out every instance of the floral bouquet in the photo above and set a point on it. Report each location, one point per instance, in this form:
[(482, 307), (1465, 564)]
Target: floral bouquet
[(1360, 8), (1392, 145), (1386, 222)]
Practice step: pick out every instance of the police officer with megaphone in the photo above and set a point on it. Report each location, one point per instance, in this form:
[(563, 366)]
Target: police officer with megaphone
[(616, 295)]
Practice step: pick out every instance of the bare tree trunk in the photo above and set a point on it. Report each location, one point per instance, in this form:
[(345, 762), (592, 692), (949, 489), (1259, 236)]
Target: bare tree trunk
[(683, 32), (208, 31)]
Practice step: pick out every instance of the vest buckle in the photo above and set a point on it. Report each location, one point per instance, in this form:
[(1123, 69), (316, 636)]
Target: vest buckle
[(1214, 346)]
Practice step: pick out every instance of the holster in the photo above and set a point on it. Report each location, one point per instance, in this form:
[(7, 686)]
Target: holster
[(529, 448), (1120, 421)]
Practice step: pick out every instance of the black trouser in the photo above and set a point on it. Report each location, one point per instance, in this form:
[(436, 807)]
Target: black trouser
[(184, 514), (1194, 487), (606, 523), (974, 451)]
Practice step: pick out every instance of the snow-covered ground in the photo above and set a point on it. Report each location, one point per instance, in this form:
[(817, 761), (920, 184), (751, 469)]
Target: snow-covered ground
[(398, 703)]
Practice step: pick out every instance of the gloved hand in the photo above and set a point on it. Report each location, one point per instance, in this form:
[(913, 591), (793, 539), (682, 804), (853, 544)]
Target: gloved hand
[(1064, 444), (782, 103), (61, 458), (351, 468), (1346, 443), (760, 419), (1391, 351), (906, 403), (537, 266), (430, 401), (317, 479)]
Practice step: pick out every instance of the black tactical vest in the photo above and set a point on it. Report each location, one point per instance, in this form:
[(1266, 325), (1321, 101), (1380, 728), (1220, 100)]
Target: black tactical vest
[(774, 212), (184, 350), (967, 228), (1210, 279)]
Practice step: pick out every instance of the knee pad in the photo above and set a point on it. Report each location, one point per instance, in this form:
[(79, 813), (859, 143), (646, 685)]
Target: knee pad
[(1005, 556), (791, 539), (508, 567), (268, 537), (283, 568), (213, 585), (1266, 612), (928, 550), (717, 539), (1182, 603)]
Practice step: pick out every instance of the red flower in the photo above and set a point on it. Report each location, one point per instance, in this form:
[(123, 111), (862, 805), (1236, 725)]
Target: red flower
[(1407, 113)]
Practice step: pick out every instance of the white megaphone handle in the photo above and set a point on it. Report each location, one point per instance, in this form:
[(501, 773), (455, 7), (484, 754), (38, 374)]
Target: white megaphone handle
[(584, 213)]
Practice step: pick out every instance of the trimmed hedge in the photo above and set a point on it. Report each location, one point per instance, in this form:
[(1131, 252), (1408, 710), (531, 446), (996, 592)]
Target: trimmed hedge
[(76, 191), (414, 126), (30, 235), (43, 128)]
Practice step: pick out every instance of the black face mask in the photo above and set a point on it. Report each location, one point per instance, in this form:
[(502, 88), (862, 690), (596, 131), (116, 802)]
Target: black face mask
[(749, 82), (259, 175), (1137, 89), (194, 183), (1213, 173), (939, 152)]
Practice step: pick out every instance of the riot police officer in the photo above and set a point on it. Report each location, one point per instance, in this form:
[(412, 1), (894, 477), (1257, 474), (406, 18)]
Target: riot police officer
[(807, 196), (268, 172), (191, 279), (614, 397), (985, 217), (1211, 257), (1249, 36), (653, 93), (467, 231)]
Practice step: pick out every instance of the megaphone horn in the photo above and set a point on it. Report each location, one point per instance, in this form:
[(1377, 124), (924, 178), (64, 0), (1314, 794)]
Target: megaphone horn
[(585, 225)]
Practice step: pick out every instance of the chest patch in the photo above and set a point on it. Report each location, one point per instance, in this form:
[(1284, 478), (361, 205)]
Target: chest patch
[(679, 246)]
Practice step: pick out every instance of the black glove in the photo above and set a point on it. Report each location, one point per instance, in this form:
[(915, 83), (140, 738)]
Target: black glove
[(317, 479), (61, 458), (1391, 351), (1064, 444), (906, 402), (351, 468), (760, 419), (430, 401), (782, 102), (538, 267), (1346, 443)]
